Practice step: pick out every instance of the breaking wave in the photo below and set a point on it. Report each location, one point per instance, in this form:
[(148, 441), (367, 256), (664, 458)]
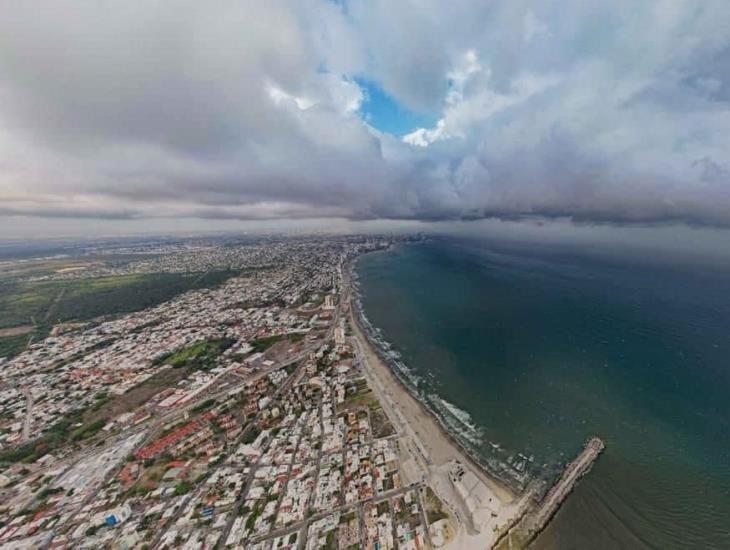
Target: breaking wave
[(384, 348), (457, 422)]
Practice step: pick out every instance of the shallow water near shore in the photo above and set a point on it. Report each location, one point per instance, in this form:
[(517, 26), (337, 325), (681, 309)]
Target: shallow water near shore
[(526, 351)]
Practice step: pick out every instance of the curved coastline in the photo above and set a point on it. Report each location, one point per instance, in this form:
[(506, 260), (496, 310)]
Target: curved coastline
[(365, 327)]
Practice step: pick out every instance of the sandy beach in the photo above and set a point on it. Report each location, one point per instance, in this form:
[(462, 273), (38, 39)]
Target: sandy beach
[(431, 452)]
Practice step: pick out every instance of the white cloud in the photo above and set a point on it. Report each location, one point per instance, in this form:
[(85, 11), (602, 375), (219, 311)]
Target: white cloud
[(345, 94), (423, 137), (279, 97), (533, 27), (470, 101), (252, 109)]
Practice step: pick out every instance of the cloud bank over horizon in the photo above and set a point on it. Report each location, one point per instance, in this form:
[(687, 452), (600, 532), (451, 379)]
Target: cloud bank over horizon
[(366, 109)]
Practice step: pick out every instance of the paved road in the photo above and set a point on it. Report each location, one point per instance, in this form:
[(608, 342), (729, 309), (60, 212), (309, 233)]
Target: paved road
[(172, 416), (343, 508), (424, 519), (28, 413), (318, 463), (233, 514), (282, 493), (54, 303), (407, 435)]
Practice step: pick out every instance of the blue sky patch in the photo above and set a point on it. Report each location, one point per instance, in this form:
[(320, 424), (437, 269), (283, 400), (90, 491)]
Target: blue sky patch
[(385, 113)]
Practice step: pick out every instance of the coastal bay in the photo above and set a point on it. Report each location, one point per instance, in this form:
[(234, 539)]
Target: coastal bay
[(534, 350), (430, 452)]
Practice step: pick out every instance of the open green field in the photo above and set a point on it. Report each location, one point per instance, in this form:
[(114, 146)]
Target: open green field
[(10, 345), (85, 423), (199, 356), (262, 344), (46, 303)]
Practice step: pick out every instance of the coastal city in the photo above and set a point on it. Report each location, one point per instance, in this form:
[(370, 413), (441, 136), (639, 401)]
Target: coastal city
[(252, 414), (365, 274)]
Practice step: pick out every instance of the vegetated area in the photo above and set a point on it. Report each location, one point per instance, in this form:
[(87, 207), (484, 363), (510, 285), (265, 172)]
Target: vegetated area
[(12, 345), (434, 507), (43, 304), (199, 356), (84, 423), (136, 396), (358, 394), (262, 344), (381, 425), (162, 471), (57, 435)]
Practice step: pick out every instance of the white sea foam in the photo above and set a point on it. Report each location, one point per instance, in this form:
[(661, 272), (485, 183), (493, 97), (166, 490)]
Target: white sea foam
[(457, 419), (461, 414), (454, 419), (385, 348)]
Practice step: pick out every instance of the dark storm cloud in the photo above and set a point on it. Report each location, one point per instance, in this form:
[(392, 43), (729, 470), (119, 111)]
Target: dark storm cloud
[(64, 212), (598, 111)]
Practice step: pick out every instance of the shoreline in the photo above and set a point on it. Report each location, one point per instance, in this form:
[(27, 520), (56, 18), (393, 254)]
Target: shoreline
[(521, 513), (495, 483), (482, 506), (499, 484)]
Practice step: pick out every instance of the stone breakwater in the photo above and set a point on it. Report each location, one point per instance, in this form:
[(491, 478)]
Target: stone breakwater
[(533, 522)]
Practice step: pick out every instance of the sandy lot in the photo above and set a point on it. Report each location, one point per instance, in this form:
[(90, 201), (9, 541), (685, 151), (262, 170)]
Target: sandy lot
[(16, 331)]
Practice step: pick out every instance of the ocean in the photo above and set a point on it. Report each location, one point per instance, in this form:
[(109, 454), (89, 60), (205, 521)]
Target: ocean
[(526, 350)]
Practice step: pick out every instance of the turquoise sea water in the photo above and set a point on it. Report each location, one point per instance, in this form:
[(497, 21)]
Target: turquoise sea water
[(531, 350)]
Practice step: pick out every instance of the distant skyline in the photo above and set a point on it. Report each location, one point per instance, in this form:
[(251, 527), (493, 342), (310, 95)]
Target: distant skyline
[(134, 117)]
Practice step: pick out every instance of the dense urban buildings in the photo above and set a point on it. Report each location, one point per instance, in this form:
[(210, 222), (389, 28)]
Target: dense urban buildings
[(236, 416)]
